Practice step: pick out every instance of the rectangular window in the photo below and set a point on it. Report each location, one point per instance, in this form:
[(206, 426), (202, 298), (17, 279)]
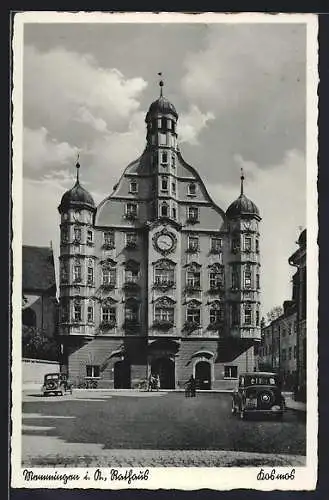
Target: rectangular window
[(173, 187), (173, 162), (193, 243), (235, 245), (108, 314), (193, 214), (89, 236), (164, 184), (90, 275), (164, 157), (131, 239), (77, 274), (230, 372), (131, 275), (191, 190), (164, 314), (247, 314), (77, 312), (77, 234), (257, 317), (247, 279), (174, 213), (257, 245), (133, 187), (193, 315), (90, 314), (65, 235), (108, 239), (131, 210), (290, 352), (164, 210), (163, 276), (216, 245), (193, 279), (247, 244), (257, 281), (295, 351), (216, 279), (92, 371), (108, 276), (216, 315)]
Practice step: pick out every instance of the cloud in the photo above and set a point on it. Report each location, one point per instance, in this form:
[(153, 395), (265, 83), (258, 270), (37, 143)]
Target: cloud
[(85, 116), (192, 123), (42, 151), (279, 193)]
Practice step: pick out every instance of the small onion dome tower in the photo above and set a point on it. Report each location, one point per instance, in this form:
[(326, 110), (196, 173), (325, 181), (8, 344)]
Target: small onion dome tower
[(243, 225), (242, 206), (76, 197)]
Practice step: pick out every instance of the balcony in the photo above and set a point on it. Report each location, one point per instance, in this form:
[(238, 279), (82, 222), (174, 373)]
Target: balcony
[(217, 288), (108, 245), (131, 325), (107, 287), (190, 288), (163, 324), (215, 251), (131, 286), (131, 245), (107, 325), (163, 284), (190, 326)]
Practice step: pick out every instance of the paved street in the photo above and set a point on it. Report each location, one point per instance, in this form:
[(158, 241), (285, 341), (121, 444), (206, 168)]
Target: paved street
[(106, 423)]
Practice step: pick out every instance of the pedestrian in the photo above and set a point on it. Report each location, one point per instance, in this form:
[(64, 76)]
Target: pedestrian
[(157, 382), (193, 386)]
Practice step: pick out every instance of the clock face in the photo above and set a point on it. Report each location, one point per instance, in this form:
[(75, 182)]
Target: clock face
[(165, 242)]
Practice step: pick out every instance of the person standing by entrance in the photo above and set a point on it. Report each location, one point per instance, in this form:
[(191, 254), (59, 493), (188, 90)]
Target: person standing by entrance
[(157, 382)]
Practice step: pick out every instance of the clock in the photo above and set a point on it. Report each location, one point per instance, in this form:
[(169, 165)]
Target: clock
[(164, 241), (76, 215)]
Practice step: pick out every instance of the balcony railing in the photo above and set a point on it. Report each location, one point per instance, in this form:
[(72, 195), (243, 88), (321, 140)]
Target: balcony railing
[(190, 326), (192, 288), (107, 325), (106, 287), (108, 245), (163, 324), (216, 251), (164, 284)]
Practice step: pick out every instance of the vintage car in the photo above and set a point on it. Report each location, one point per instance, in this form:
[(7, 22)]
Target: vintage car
[(258, 393), (56, 383)]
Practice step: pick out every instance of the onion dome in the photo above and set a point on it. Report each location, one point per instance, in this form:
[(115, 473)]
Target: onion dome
[(76, 196), (302, 238), (161, 105), (242, 206)]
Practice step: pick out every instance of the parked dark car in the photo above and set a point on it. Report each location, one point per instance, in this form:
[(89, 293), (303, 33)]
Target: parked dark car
[(258, 393), (56, 383)]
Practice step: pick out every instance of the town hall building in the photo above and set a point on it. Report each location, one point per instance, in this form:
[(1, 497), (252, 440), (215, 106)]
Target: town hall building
[(157, 278)]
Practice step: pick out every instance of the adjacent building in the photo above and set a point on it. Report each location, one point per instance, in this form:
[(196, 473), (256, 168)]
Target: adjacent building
[(298, 260), (158, 278), (40, 306)]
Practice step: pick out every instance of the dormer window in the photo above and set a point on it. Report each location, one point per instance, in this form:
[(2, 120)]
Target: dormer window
[(193, 214), (164, 184), (133, 187), (164, 157), (131, 210), (216, 245), (191, 190), (164, 210), (193, 243)]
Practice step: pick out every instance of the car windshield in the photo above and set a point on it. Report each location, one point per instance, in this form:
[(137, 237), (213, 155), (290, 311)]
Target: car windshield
[(260, 380), (53, 376)]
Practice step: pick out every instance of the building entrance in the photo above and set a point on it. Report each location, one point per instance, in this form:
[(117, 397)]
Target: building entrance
[(122, 377), (203, 375), (165, 367)]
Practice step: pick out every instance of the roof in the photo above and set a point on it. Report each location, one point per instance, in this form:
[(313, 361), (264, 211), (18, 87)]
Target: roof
[(242, 206), (76, 197), (38, 272), (163, 106)]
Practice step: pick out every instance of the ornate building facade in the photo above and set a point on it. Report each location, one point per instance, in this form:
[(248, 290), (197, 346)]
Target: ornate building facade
[(158, 278)]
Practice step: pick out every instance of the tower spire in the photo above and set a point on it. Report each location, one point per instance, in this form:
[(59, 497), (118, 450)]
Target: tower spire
[(161, 84), (242, 179), (77, 165)]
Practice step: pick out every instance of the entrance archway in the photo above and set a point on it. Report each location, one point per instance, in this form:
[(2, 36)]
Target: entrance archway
[(122, 375), (165, 367), (203, 375)]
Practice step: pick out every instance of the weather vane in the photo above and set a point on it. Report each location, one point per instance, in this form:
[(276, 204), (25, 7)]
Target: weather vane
[(161, 83), (242, 179)]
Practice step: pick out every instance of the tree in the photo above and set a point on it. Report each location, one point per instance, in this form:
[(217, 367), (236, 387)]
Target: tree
[(274, 313), (36, 345)]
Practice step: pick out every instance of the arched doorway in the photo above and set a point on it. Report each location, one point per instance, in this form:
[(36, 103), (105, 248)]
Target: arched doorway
[(122, 375), (203, 375), (165, 367)]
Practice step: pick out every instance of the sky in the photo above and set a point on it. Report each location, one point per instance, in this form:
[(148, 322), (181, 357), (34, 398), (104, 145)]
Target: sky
[(239, 90)]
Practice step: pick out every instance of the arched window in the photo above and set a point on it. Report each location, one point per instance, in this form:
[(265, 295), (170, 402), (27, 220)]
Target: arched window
[(192, 189), (90, 312), (193, 312), (131, 271), (247, 314), (164, 273), (90, 272), (216, 277), (164, 310), (193, 276), (216, 312), (77, 272), (77, 311)]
